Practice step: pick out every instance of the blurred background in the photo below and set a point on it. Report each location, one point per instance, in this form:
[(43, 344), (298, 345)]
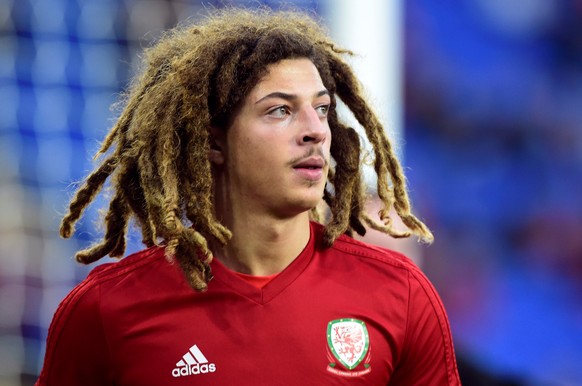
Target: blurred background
[(488, 120)]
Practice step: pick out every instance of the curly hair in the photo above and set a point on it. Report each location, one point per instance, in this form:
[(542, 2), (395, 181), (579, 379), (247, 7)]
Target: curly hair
[(192, 80)]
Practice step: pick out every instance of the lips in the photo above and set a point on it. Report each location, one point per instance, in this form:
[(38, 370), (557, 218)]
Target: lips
[(310, 169), (310, 163)]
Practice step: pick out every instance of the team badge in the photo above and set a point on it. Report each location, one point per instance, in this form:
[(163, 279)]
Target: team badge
[(348, 348)]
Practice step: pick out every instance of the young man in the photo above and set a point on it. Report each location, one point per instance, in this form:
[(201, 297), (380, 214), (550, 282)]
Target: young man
[(226, 147)]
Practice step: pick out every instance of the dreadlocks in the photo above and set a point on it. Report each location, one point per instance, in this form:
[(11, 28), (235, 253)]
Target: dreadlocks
[(192, 80)]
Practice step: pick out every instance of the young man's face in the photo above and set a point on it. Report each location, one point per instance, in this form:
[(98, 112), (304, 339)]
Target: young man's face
[(276, 153)]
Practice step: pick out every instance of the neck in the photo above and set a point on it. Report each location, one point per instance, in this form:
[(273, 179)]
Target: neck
[(264, 246), (262, 243)]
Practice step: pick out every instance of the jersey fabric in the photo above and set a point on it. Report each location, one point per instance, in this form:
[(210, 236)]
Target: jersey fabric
[(352, 314)]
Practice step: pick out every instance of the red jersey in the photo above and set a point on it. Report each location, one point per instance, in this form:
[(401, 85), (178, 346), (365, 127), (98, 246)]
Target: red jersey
[(352, 314)]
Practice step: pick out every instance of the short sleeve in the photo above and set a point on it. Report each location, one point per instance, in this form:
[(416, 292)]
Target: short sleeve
[(428, 356), (77, 351)]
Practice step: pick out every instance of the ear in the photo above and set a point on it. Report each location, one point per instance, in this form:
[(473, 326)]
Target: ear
[(216, 154)]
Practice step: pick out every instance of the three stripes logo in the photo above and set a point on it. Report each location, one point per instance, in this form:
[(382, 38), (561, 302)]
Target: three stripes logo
[(193, 363)]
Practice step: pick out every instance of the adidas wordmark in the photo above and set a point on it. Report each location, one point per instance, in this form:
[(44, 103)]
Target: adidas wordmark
[(193, 363)]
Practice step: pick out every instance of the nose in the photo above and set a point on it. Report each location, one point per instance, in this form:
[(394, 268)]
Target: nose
[(313, 127)]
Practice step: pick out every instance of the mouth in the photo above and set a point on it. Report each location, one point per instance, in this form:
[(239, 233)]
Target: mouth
[(310, 169), (311, 163)]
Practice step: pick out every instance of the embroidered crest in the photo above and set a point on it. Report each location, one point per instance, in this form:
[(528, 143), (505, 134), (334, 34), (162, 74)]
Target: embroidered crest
[(348, 343)]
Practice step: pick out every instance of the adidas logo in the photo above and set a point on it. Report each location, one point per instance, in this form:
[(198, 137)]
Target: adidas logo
[(193, 363)]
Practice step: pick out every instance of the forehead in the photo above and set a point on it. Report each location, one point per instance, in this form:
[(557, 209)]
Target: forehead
[(294, 76)]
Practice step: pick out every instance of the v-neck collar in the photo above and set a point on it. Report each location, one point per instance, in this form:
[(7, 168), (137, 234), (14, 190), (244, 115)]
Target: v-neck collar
[(275, 286)]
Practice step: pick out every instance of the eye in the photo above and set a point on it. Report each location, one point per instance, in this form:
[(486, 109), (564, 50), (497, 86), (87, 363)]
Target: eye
[(322, 110), (279, 111)]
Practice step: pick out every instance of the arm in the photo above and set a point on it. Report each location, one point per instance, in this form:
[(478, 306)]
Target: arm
[(428, 356), (77, 352)]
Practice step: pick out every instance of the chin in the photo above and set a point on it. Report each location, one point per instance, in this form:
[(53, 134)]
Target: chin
[(309, 205), (297, 207)]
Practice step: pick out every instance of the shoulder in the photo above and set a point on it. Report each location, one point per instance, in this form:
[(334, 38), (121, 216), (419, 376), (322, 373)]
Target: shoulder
[(393, 264), (126, 280), (67, 361), (388, 257), (381, 267), (143, 265), (141, 260), (368, 266), (354, 251)]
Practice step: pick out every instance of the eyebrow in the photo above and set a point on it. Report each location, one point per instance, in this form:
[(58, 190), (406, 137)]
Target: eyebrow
[(288, 97)]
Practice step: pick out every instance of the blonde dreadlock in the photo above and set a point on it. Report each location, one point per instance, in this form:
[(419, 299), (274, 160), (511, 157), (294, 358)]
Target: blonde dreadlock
[(193, 79)]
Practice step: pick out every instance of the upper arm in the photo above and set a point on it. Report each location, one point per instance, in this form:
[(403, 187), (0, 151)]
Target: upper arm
[(428, 356), (77, 351)]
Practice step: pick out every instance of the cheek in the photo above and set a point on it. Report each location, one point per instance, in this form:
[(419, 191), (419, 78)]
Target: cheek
[(250, 156), (252, 145)]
